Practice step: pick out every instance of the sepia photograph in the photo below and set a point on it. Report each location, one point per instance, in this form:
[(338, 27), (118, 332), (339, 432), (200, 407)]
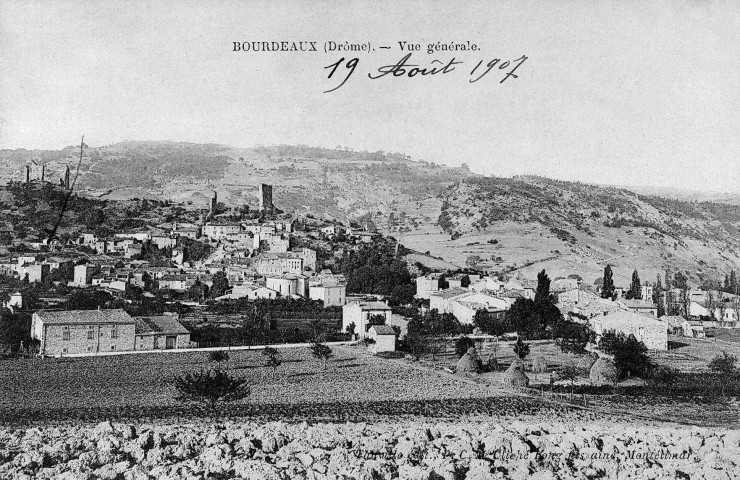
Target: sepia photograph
[(368, 240)]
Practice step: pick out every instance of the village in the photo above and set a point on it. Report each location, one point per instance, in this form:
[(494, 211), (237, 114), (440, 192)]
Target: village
[(184, 285)]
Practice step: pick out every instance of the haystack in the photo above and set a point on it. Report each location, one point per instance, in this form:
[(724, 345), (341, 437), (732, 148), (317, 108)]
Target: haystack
[(586, 362), (468, 363), (515, 376), (603, 372), (539, 364)]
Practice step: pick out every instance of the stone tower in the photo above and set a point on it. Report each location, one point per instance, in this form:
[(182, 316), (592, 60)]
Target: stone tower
[(266, 197), (66, 177), (43, 171), (28, 174), (214, 202)]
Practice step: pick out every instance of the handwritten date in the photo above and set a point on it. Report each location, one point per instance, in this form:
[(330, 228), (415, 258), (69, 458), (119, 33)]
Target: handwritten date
[(404, 68)]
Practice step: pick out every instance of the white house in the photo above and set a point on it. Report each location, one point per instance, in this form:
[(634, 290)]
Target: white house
[(359, 313), (427, 284), (385, 338)]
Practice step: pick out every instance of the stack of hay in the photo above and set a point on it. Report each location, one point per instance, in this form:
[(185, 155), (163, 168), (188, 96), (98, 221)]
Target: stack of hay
[(603, 372), (586, 362), (468, 363), (515, 376)]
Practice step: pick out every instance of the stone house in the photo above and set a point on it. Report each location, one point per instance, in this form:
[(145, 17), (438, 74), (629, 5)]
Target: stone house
[(82, 331), (646, 328), (161, 332)]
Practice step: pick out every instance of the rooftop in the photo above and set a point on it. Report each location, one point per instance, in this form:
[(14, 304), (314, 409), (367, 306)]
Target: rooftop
[(159, 324), (83, 317)]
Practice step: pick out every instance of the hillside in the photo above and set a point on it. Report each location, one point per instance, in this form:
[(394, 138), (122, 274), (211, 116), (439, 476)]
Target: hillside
[(571, 227), (522, 224)]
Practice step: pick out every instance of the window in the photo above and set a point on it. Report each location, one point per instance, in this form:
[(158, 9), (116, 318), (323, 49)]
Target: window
[(114, 332), (65, 334), (641, 331), (112, 347), (90, 332), (64, 350), (89, 348)]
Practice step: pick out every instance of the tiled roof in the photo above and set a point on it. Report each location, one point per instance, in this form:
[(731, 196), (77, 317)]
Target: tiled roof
[(383, 329), (166, 324), (76, 317)]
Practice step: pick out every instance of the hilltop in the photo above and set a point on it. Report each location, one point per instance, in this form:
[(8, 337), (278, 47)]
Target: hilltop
[(519, 224)]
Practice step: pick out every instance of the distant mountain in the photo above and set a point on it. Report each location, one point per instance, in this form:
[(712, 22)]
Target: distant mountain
[(685, 195), (520, 224)]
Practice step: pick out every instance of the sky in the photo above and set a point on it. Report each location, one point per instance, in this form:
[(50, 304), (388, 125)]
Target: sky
[(611, 92)]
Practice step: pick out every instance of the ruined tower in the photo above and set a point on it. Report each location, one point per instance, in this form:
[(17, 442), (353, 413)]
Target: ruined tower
[(43, 171), (66, 177), (28, 174), (266, 198)]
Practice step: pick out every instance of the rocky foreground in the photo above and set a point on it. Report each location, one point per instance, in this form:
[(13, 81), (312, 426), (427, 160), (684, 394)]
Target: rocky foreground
[(471, 450)]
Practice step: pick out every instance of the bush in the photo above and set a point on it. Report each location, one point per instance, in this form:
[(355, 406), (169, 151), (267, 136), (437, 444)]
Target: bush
[(219, 356), (521, 349), (211, 388)]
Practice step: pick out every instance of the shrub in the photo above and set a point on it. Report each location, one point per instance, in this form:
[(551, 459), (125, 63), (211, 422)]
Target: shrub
[(273, 359), (725, 366), (210, 388), (219, 356)]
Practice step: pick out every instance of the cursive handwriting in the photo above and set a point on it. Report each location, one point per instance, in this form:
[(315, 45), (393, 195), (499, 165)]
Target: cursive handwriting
[(405, 68)]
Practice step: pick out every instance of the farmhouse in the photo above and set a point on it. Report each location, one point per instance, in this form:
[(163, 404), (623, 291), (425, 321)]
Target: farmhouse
[(646, 328), (82, 331), (161, 332), (359, 314)]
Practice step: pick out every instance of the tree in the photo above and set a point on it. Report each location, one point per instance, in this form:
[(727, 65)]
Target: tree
[(211, 388), (220, 284), (521, 349), (543, 288), (351, 328), (725, 366), (473, 261), (321, 352), (635, 291), (273, 359), (573, 337), (569, 372), (607, 287), (631, 357)]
